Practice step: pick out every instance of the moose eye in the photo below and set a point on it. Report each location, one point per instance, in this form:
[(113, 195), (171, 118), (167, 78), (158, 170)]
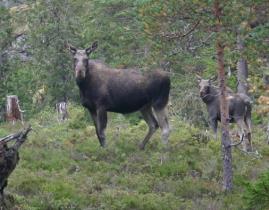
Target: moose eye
[(75, 60)]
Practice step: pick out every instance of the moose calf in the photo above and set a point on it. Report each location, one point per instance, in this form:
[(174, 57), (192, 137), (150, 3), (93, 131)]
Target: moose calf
[(239, 109)]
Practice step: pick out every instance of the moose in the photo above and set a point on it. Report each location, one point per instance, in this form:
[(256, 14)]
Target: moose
[(239, 109), (104, 89)]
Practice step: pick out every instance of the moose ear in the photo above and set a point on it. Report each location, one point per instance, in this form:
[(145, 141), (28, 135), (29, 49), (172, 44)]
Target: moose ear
[(94, 45), (213, 78), (92, 48), (198, 78), (71, 48)]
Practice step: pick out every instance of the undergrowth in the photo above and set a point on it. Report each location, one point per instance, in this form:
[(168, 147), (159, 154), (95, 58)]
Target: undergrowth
[(63, 167)]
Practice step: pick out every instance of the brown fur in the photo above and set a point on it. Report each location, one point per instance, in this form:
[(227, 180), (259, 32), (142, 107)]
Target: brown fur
[(104, 89)]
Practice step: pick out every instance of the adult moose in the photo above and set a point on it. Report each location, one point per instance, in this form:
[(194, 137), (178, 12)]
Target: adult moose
[(103, 89), (239, 109)]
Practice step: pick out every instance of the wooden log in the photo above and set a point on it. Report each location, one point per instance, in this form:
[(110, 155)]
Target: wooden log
[(13, 110)]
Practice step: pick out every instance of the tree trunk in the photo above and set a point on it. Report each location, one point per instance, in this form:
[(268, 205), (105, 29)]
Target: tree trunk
[(242, 68), (225, 138), (242, 86), (13, 111)]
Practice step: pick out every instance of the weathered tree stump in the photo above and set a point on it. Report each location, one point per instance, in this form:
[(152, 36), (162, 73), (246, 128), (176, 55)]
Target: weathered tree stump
[(62, 113), (9, 158), (13, 110)]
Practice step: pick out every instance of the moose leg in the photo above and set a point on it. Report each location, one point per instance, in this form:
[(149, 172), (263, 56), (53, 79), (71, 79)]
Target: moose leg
[(152, 124), (100, 125), (2, 197), (163, 123), (94, 119), (248, 124), (244, 131), (214, 125)]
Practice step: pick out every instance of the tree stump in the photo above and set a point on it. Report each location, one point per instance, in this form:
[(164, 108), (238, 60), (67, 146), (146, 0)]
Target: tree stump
[(62, 113), (13, 110)]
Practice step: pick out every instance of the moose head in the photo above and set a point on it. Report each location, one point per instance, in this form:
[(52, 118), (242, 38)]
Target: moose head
[(81, 59)]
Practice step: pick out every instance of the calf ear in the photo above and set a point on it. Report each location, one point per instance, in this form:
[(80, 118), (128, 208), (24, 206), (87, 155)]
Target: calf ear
[(92, 48), (198, 78), (71, 48), (213, 78), (94, 45)]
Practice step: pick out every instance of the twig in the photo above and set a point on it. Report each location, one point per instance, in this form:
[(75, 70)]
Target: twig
[(254, 154), (176, 35), (240, 142), (203, 42)]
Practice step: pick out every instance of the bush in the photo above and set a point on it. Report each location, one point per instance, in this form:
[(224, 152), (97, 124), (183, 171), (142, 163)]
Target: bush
[(78, 117), (256, 195)]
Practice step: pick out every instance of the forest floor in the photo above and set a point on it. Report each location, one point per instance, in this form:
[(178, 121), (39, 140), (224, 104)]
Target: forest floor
[(63, 167)]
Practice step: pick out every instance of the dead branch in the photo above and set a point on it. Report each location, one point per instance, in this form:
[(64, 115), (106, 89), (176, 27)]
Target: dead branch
[(202, 43), (20, 137), (255, 154), (240, 142), (178, 34)]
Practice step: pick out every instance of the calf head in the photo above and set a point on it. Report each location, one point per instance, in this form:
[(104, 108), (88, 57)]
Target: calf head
[(81, 59), (204, 85)]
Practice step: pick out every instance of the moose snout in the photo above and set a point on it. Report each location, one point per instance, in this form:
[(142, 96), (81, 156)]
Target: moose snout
[(79, 73), (202, 93)]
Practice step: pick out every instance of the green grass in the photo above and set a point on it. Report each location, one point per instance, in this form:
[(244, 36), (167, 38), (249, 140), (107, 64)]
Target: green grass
[(63, 167)]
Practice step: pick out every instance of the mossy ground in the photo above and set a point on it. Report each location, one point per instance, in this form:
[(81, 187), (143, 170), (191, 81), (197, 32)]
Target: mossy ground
[(63, 167)]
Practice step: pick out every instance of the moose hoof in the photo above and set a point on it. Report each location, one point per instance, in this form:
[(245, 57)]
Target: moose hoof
[(103, 144), (141, 146)]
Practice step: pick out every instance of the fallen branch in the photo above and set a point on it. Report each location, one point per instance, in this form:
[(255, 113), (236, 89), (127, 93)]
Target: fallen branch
[(255, 154), (19, 137), (202, 42)]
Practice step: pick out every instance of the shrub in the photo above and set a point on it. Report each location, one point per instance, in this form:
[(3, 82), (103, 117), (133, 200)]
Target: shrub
[(78, 117), (256, 195)]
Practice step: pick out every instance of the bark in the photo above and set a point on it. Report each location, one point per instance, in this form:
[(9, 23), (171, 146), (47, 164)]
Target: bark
[(242, 68), (225, 138)]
